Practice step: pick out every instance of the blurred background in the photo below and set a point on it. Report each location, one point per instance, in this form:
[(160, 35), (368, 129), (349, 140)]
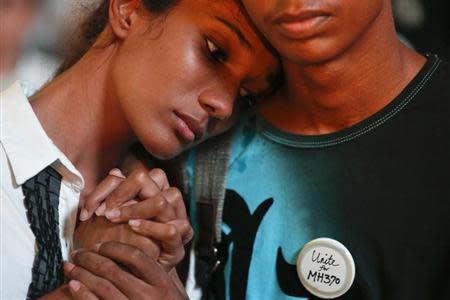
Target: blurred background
[(34, 34)]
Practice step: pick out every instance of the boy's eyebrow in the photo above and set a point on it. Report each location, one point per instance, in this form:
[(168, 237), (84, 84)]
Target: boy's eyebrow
[(237, 31)]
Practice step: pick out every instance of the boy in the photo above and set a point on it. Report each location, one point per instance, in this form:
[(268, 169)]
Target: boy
[(354, 147)]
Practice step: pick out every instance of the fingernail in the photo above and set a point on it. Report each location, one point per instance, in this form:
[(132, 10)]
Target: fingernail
[(68, 267), (74, 285), (134, 223), (113, 214), (84, 215), (100, 211), (116, 172), (163, 261)]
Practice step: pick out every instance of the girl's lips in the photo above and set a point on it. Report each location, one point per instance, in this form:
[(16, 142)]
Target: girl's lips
[(183, 130), (189, 127)]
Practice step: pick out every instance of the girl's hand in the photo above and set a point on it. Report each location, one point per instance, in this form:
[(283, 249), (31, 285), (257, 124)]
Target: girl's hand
[(141, 182)]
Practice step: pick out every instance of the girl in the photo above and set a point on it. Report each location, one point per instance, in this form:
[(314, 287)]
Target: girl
[(165, 73)]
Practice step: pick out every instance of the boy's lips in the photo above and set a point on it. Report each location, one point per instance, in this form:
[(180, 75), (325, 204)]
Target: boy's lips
[(300, 25)]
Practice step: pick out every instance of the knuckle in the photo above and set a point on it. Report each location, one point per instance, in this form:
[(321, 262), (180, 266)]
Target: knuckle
[(175, 194), (189, 235), (160, 204), (106, 245), (136, 255), (111, 246), (140, 176), (179, 255), (106, 267), (172, 232), (151, 249), (186, 231), (158, 173), (185, 227)]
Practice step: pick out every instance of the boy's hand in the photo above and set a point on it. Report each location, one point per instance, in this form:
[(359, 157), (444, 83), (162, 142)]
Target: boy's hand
[(101, 273), (99, 229), (61, 293)]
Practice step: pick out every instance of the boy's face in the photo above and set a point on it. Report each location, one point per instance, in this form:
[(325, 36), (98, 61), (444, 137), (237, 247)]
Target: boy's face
[(316, 31)]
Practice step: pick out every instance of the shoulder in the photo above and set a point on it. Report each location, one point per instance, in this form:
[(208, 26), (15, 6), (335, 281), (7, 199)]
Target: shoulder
[(440, 81), (432, 92)]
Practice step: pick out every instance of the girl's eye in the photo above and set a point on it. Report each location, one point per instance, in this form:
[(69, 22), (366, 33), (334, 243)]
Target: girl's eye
[(247, 97), (216, 53)]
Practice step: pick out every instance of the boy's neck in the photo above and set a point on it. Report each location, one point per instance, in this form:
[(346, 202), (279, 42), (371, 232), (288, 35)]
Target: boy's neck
[(328, 97)]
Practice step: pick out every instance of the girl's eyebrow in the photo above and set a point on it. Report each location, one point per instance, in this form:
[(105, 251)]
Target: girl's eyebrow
[(237, 31)]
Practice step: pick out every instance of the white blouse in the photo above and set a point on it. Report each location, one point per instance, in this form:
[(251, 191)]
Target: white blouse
[(25, 151)]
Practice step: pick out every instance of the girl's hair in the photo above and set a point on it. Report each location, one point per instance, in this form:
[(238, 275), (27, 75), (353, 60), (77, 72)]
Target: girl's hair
[(96, 22)]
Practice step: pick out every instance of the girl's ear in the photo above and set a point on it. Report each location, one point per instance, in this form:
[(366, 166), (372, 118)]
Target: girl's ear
[(122, 14)]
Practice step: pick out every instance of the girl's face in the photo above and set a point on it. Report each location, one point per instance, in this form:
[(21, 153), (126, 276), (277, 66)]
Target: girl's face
[(315, 31), (182, 78)]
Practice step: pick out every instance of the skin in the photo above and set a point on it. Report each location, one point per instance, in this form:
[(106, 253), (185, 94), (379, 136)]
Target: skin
[(335, 63)]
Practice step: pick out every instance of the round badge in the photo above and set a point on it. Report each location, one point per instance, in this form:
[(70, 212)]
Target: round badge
[(326, 268)]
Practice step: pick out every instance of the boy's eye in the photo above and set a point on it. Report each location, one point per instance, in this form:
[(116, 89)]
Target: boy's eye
[(217, 53)]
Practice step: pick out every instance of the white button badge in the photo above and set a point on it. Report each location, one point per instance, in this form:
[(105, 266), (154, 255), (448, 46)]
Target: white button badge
[(326, 268)]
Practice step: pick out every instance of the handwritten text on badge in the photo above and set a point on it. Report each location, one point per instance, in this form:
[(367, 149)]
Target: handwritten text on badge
[(325, 268)]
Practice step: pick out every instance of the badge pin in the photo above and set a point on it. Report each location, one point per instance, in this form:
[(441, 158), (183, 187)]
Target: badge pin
[(326, 268)]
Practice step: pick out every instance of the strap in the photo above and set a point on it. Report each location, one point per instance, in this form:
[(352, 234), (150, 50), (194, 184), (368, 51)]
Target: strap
[(210, 175)]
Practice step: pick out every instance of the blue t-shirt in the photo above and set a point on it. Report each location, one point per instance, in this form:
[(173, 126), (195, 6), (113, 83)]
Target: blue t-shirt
[(381, 188)]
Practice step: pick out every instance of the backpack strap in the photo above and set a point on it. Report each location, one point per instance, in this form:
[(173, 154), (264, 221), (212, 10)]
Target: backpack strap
[(210, 174)]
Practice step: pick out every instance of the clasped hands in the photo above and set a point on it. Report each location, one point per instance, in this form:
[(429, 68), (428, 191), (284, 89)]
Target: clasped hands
[(131, 237)]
